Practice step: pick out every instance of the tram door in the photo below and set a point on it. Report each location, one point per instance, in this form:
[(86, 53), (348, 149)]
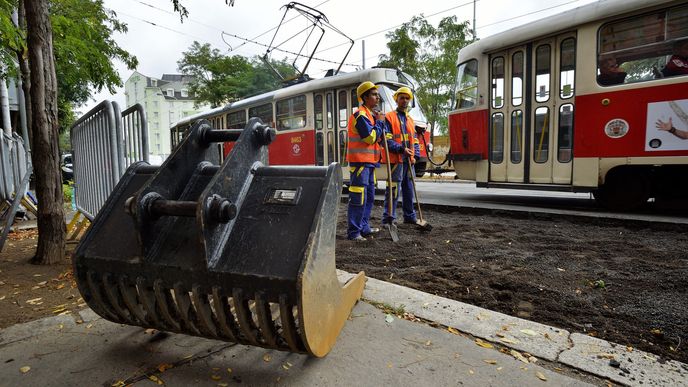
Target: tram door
[(332, 109), (507, 105), (531, 112), (552, 110)]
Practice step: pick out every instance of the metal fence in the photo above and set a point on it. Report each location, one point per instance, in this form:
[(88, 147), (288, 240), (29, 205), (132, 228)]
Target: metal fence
[(104, 143), (15, 170)]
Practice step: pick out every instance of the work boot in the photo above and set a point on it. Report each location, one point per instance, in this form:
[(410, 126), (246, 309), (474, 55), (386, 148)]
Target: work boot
[(359, 238), (373, 230), (414, 221)]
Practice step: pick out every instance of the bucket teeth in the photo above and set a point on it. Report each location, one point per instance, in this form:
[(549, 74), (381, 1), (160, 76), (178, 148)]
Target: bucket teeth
[(166, 305), (112, 294), (97, 295), (147, 298), (206, 319), (267, 327), (289, 332), (246, 324), (225, 319), (186, 311), (129, 296)]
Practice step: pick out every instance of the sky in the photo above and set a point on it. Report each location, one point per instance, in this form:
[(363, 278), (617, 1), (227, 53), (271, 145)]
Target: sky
[(158, 38)]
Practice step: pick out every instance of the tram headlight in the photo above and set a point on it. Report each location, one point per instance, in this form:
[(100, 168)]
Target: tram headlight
[(616, 128)]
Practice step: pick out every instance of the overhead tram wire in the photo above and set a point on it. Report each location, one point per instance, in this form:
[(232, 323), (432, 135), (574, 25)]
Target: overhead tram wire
[(447, 10), (274, 28), (235, 36), (398, 25)]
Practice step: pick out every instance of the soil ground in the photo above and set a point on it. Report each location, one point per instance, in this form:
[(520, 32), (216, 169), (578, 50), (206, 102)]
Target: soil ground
[(618, 280), (626, 282)]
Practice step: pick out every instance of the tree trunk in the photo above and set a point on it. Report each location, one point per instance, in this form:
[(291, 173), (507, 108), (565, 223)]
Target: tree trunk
[(44, 125), (25, 74)]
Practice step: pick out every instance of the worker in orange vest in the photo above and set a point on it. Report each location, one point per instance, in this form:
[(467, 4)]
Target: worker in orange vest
[(366, 128), (403, 151)]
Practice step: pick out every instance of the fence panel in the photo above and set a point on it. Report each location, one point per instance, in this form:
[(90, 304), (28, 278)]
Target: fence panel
[(15, 170)]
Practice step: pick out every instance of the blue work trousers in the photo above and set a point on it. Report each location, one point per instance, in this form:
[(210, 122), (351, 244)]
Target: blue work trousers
[(361, 198), (401, 180)]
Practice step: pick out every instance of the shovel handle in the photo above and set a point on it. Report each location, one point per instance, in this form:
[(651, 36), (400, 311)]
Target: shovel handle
[(389, 174), (415, 193)]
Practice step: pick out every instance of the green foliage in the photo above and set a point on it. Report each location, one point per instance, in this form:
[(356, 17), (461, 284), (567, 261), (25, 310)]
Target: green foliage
[(12, 40), (219, 79), (67, 192), (429, 54), (83, 47), (84, 50)]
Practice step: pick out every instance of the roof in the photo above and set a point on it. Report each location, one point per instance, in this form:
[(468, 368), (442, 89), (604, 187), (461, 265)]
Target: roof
[(558, 23)]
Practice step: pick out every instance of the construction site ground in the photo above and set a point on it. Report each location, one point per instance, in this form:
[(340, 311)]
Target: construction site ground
[(583, 278)]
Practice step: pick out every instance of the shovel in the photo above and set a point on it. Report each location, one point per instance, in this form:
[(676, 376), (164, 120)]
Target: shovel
[(391, 227), (421, 223)]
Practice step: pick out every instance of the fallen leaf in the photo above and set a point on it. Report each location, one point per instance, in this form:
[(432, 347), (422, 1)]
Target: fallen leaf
[(229, 370), (60, 286), (471, 372), (509, 341), (215, 377), (119, 383), (164, 366), (25, 369), (89, 326), (518, 356), (532, 359), (529, 332), (490, 361), (156, 379), (629, 349), (2, 298), (267, 357), (389, 365), (483, 344), (452, 330), (558, 369), (499, 368), (606, 356), (286, 365), (33, 301), (42, 283), (541, 376), (560, 269), (389, 319)]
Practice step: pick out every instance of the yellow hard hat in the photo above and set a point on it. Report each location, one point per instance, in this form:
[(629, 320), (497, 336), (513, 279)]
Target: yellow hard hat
[(363, 87), (403, 90)]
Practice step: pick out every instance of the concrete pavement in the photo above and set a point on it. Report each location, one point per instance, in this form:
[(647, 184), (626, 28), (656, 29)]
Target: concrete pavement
[(453, 344)]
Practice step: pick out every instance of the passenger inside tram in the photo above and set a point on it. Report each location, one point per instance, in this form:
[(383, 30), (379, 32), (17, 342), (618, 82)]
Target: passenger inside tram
[(678, 63), (610, 73)]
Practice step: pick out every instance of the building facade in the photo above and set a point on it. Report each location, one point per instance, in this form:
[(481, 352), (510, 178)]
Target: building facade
[(165, 100)]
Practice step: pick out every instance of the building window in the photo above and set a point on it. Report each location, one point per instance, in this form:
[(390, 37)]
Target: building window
[(170, 92), (185, 93), (154, 82), (291, 113)]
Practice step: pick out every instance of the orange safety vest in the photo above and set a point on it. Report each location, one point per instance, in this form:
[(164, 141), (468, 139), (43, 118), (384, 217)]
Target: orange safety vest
[(357, 150), (409, 136)]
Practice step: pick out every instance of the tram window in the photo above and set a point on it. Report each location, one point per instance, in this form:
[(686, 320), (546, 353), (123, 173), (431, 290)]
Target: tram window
[(237, 119), (517, 79), (643, 47), (354, 100), (343, 138), (498, 82), (516, 136), (291, 113), (541, 135), (343, 116), (497, 138), (565, 133), (542, 72), (318, 102), (319, 149), (467, 84), (264, 112), (330, 146), (567, 70), (330, 120)]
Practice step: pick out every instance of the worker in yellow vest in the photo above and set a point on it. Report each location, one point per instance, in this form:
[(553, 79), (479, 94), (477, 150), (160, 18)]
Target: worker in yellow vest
[(366, 128), (403, 152)]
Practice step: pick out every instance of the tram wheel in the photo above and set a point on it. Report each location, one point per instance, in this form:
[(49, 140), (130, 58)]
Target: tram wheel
[(623, 190)]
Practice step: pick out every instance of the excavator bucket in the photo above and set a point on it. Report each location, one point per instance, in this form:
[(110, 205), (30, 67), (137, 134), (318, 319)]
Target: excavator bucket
[(241, 252)]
